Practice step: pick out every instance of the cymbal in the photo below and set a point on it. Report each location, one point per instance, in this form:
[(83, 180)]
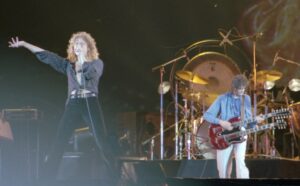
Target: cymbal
[(268, 75), (294, 104), (189, 76)]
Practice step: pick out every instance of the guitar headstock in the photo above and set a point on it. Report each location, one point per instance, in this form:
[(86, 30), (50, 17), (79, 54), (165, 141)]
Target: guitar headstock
[(280, 124), (281, 113)]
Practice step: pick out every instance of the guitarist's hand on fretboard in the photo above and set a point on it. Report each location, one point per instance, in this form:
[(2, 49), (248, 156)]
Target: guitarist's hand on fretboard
[(260, 118), (226, 125)]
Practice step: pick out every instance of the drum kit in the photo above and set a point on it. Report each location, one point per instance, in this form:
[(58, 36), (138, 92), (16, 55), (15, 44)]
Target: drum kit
[(207, 74)]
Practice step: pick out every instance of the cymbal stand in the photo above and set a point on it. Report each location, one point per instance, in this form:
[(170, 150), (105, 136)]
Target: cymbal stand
[(266, 138), (162, 70), (152, 138), (176, 121), (161, 67), (186, 135), (191, 141), (254, 96)]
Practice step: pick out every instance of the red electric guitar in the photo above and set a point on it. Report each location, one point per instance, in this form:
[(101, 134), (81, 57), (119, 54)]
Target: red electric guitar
[(221, 138)]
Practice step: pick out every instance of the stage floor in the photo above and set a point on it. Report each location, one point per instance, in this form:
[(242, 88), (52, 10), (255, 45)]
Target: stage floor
[(262, 171)]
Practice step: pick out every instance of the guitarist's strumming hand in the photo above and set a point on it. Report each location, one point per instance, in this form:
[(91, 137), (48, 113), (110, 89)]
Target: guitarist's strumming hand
[(225, 124)]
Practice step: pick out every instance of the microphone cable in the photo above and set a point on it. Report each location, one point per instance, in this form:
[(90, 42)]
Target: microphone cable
[(98, 143)]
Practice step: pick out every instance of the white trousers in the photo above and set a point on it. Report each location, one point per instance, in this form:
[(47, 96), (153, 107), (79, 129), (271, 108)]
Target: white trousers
[(225, 157)]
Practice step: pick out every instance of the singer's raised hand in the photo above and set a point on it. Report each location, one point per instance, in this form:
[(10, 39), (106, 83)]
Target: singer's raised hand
[(15, 43)]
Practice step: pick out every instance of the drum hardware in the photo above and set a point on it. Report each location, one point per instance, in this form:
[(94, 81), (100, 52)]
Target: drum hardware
[(200, 97), (268, 75), (180, 147), (214, 69), (186, 131), (164, 87), (162, 71), (268, 78), (152, 149), (266, 142), (294, 120), (294, 85), (185, 134), (191, 77), (176, 123), (268, 85), (151, 140), (191, 97), (225, 38)]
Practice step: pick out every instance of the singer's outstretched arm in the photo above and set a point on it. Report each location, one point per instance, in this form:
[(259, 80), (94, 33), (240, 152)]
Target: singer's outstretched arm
[(16, 43)]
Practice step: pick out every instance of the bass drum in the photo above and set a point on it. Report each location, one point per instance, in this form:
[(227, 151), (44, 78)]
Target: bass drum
[(204, 148)]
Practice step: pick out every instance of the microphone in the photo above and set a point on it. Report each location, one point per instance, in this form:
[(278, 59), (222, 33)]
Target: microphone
[(80, 58), (225, 38), (275, 58)]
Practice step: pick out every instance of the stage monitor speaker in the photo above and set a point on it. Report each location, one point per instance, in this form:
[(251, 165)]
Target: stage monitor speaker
[(198, 169), (82, 166), (142, 173)]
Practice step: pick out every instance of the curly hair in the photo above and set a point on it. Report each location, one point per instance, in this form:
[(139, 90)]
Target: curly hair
[(92, 52), (239, 81)]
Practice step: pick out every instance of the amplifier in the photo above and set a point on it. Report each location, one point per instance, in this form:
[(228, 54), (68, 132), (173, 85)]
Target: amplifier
[(20, 114)]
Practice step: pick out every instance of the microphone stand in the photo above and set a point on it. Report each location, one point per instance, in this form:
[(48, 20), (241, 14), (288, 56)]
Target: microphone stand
[(152, 138), (161, 67), (254, 95), (176, 121)]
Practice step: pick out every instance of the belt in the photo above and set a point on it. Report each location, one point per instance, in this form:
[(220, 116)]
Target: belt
[(82, 95)]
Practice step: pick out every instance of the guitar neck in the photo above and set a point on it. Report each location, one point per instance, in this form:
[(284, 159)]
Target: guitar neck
[(241, 123), (256, 129), (247, 122)]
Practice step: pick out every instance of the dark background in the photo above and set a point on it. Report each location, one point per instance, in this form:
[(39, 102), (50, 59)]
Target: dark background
[(133, 36)]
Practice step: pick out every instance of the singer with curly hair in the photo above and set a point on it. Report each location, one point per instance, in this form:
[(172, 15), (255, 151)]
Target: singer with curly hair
[(83, 69)]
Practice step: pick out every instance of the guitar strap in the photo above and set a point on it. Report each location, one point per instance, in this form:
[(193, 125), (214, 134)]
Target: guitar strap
[(243, 108)]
